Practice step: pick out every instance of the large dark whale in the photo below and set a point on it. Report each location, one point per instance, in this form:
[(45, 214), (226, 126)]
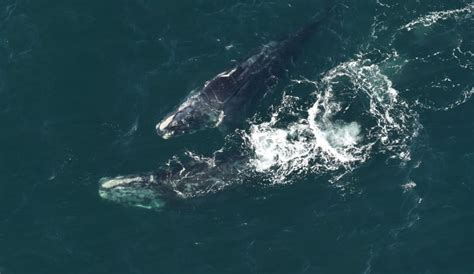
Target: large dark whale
[(231, 91)]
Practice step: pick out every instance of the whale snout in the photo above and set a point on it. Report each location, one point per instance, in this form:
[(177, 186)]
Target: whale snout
[(168, 127), (162, 128), (132, 190), (192, 116), (176, 124), (162, 132)]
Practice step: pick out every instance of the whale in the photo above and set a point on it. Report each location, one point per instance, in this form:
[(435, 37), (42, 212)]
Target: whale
[(222, 100), (180, 179)]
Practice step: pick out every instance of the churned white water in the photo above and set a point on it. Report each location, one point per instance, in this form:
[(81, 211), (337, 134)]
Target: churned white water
[(333, 133)]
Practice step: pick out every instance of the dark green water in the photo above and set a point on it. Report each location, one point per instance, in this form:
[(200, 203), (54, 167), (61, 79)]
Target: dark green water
[(83, 83)]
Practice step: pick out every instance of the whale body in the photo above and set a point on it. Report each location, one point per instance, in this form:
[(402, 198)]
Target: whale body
[(226, 95), (180, 179)]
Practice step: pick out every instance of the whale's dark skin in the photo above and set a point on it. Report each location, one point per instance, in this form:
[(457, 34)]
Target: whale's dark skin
[(228, 93), (179, 180)]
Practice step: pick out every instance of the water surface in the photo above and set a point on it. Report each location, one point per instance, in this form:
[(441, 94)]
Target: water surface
[(362, 157)]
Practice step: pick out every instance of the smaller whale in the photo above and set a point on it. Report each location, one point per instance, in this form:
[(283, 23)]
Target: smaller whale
[(178, 180), (228, 94)]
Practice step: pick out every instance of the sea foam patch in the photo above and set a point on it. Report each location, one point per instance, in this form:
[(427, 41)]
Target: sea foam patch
[(355, 113)]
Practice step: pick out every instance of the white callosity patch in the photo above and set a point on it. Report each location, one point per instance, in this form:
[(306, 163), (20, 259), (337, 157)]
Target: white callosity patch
[(110, 183), (321, 140), (192, 115), (165, 123), (436, 16)]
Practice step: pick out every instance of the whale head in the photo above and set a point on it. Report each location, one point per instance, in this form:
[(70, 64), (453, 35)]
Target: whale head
[(191, 116), (138, 191)]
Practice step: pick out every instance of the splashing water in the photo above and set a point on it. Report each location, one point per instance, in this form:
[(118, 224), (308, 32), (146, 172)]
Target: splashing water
[(356, 112)]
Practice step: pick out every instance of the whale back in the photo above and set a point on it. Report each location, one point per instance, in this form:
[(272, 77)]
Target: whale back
[(231, 93), (223, 89)]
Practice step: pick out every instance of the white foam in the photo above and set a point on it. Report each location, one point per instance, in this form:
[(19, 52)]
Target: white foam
[(436, 16), (408, 186), (319, 142), (463, 98)]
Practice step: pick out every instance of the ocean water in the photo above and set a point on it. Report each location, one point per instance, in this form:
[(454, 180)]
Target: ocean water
[(359, 160)]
